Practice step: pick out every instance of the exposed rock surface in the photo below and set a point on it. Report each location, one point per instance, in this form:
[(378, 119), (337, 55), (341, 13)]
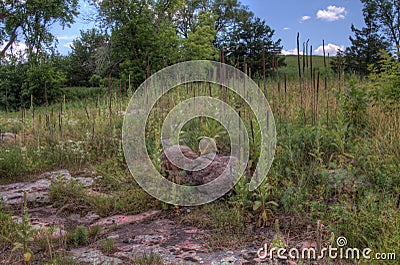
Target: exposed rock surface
[(195, 173), (93, 256), (37, 192), (135, 236)]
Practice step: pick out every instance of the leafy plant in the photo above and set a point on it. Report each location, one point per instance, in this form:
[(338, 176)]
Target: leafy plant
[(25, 236), (355, 104), (385, 86), (79, 236)]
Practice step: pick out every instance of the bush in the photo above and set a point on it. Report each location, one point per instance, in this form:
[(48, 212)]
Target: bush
[(79, 237), (11, 162), (43, 83), (385, 89)]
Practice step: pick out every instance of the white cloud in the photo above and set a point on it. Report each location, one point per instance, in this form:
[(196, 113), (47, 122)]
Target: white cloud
[(68, 45), (66, 37), (289, 52), (332, 13), (330, 48), (16, 48), (286, 28), (305, 18)]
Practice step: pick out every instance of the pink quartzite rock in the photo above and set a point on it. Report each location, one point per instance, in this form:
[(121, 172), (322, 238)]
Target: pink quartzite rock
[(216, 166), (119, 220), (37, 192)]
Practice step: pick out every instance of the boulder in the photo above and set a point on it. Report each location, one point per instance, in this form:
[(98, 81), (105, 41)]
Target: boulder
[(202, 169)]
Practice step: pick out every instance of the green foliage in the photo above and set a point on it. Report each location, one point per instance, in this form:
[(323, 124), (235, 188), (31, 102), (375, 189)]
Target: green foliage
[(375, 218), (107, 245), (62, 193), (193, 131), (228, 226), (79, 236), (385, 15), (385, 87), (62, 260), (12, 77), (11, 162), (354, 105), (143, 38), (366, 45), (199, 43), (250, 38), (8, 229), (32, 20), (25, 236), (82, 93), (43, 82), (87, 60), (149, 259)]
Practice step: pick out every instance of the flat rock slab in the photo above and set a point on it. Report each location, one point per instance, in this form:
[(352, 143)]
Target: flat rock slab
[(119, 220), (174, 244), (37, 192), (93, 256), (47, 217)]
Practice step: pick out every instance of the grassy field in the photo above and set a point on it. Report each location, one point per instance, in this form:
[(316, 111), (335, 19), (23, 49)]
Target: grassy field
[(291, 68), (336, 163)]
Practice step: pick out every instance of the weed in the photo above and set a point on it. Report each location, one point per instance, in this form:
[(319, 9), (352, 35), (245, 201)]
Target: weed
[(107, 245), (149, 259), (79, 236), (8, 230), (61, 260), (67, 193)]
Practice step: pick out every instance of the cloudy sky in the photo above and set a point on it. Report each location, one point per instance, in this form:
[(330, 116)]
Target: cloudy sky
[(316, 20)]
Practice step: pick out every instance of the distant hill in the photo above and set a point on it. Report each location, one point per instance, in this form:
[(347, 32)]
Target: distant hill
[(291, 68)]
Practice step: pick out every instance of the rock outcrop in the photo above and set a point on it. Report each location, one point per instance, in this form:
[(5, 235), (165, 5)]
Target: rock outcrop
[(37, 191), (198, 170)]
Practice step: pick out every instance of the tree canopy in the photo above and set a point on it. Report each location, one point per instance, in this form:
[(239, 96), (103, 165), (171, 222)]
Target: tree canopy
[(30, 21)]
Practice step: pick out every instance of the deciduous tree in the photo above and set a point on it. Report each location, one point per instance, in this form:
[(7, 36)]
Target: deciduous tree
[(30, 21)]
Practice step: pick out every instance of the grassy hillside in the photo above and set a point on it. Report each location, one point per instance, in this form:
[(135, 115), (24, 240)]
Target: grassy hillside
[(291, 68)]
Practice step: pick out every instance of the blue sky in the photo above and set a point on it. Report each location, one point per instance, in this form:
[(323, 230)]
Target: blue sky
[(314, 19), (317, 20)]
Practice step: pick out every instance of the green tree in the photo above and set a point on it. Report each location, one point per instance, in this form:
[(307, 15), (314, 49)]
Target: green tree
[(12, 77), (87, 57), (143, 36), (385, 86), (199, 42), (387, 16), (251, 38), (366, 46), (225, 12), (43, 81), (236, 30), (32, 19)]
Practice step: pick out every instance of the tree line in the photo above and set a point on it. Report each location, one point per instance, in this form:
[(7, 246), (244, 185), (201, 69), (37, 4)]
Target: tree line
[(379, 37), (134, 39)]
